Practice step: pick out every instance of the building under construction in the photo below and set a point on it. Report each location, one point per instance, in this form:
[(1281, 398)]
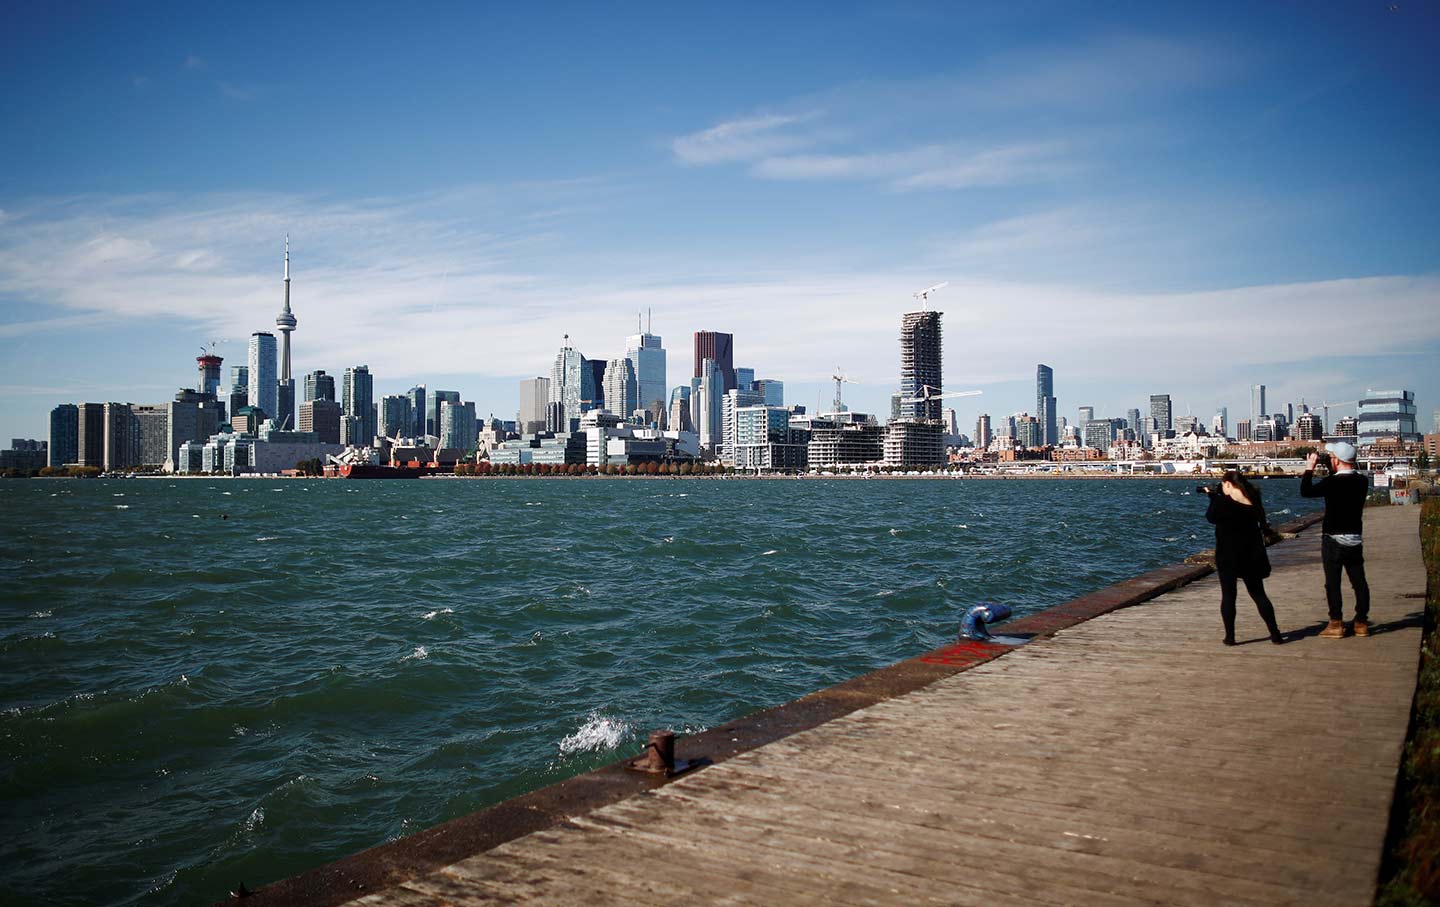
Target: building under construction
[(917, 438)]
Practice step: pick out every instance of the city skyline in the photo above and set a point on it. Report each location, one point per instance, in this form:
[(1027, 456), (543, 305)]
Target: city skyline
[(1217, 227)]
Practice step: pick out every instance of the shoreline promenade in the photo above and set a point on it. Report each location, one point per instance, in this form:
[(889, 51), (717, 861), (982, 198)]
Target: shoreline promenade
[(1122, 757)]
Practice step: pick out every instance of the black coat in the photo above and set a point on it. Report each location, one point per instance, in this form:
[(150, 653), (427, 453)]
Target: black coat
[(1239, 542)]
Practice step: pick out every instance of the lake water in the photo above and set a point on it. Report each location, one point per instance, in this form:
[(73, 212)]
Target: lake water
[(208, 681)]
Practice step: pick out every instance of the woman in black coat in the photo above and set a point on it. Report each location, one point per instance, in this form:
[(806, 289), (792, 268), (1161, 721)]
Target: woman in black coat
[(1239, 520)]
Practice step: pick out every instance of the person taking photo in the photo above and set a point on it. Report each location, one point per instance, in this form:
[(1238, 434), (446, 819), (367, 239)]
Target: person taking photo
[(1341, 548)]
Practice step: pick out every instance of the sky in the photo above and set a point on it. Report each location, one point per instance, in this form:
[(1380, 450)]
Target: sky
[(1148, 197)]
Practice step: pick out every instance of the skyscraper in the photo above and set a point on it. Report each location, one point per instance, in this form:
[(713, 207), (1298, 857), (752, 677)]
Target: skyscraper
[(209, 365), (64, 446), (458, 429), (621, 389), (534, 394), (720, 348), (1087, 414), (90, 434), (358, 402), (264, 392), (1045, 404), (572, 383), (1257, 404), (417, 410), (918, 437), (1160, 411), (773, 390), (982, 431), (647, 358), (1386, 414), (284, 414), (1132, 421), (396, 418), (432, 413), (319, 386), (707, 404), (1220, 424)]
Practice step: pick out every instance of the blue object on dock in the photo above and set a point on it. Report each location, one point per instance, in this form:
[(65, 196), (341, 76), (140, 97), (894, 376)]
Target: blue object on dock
[(972, 625)]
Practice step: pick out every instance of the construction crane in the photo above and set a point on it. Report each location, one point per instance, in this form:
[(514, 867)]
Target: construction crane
[(839, 379), (1326, 408), (926, 395), (924, 295)]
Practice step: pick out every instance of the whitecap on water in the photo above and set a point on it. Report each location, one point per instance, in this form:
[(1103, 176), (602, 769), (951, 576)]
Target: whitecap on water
[(122, 506), (1172, 538), (768, 553), (39, 614), (894, 531), (256, 819), (599, 732), (962, 526), (431, 615), (266, 538), (420, 654), (669, 540), (224, 492)]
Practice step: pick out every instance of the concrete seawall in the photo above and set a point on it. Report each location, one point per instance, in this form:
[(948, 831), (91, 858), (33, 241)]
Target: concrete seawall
[(1121, 757)]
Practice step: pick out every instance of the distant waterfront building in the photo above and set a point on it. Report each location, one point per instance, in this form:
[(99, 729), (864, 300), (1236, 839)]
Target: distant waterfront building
[(731, 405), (191, 417), (534, 394), (720, 348), (1387, 414), (679, 416), (621, 393), (1309, 427), (1436, 417), (597, 381), (1099, 433), (647, 361), (396, 417), (64, 446), (1257, 404), (1346, 427), (765, 439), (572, 384), (122, 437), (319, 386), (896, 405), (432, 415), (358, 402), (1243, 430), (1045, 405), (744, 379), (322, 419), (417, 411), (773, 390), (952, 422), (90, 434), (1185, 424), (982, 431), (1132, 421), (351, 432), (239, 396), (264, 391), (1161, 413), (1087, 413), (917, 438), (1220, 424), (1029, 432), (844, 439), (458, 428), (708, 405), (209, 377)]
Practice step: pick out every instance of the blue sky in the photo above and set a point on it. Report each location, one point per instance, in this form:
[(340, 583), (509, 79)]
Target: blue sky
[(1151, 198)]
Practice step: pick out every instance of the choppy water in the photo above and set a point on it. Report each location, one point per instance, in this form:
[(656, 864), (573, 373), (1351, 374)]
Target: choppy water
[(188, 701)]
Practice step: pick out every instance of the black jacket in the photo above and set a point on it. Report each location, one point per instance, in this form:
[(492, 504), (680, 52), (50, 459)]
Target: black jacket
[(1239, 544), (1344, 495)]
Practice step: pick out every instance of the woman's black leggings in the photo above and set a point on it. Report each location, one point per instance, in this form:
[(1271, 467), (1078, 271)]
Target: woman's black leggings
[(1256, 587)]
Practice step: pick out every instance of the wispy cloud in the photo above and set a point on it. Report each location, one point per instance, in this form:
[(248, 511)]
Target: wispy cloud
[(928, 166), (745, 139), (237, 92)]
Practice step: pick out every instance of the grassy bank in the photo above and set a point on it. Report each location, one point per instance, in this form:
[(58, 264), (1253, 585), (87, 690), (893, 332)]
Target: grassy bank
[(1411, 873)]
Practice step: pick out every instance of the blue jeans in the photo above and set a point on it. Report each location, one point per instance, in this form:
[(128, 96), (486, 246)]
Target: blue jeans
[(1351, 558)]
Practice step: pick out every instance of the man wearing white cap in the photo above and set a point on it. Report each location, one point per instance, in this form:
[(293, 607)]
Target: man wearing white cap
[(1344, 491)]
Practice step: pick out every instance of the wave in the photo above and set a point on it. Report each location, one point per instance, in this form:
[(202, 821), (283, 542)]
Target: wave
[(431, 615), (599, 732), (420, 654)]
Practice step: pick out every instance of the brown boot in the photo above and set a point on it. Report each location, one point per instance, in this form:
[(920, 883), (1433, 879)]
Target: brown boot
[(1362, 627), (1333, 630)]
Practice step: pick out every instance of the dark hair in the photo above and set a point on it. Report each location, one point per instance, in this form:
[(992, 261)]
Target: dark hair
[(1236, 478)]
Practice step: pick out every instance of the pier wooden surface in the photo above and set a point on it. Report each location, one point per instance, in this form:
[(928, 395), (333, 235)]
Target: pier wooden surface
[(1131, 759)]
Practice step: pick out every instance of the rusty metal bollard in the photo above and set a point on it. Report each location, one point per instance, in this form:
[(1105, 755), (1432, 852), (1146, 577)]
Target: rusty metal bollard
[(659, 757)]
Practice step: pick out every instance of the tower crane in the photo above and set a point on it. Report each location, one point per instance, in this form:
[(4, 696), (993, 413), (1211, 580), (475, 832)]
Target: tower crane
[(839, 379), (926, 395), (924, 295), (1326, 408)]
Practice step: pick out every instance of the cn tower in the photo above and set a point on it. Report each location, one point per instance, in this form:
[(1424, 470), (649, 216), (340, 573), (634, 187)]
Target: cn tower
[(285, 321)]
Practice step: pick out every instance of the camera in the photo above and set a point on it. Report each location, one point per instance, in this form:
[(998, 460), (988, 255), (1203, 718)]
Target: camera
[(1205, 489)]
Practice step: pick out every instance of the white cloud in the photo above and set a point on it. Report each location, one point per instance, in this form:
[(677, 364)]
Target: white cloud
[(744, 139), (925, 167)]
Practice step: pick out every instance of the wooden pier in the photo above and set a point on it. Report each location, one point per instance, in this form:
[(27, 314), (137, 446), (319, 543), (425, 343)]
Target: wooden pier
[(1126, 759)]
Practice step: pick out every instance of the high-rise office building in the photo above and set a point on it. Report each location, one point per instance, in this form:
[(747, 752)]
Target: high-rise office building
[(396, 418), (1243, 430), (64, 435), (621, 393), (417, 411), (534, 394), (458, 429), (952, 422), (1257, 404), (647, 359), (719, 348), (1132, 421), (90, 434), (122, 437), (1220, 424), (597, 382), (209, 366), (264, 391), (773, 390), (285, 322), (1099, 433), (1385, 415), (432, 415), (192, 417), (982, 431), (572, 384), (1087, 415), (1160, 411), (744, 378), (1045, 404), (707, 404), (358, 401), (319, 386), (323, 418)]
